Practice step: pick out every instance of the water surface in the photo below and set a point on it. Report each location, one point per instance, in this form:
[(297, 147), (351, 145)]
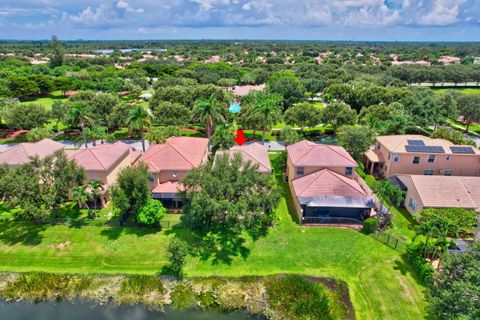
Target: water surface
[(24, 310)]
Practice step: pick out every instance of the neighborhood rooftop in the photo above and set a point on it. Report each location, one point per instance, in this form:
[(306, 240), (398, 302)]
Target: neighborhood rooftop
[(327, 183), (178, 153), (445, 191), (307, 153), (101, 157), (253, 152), (21, 153), (419, 143)]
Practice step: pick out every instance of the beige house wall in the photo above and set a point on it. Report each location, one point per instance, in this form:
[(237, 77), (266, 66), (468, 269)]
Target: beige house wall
[(412, 193), (110, 177), (296, 203), (460, 165)]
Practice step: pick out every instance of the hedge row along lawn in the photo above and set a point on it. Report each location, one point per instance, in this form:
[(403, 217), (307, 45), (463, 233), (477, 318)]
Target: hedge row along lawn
[(381, 284)]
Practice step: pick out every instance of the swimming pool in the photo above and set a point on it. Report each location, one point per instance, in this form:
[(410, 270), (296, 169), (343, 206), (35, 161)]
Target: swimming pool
[(234, 108)]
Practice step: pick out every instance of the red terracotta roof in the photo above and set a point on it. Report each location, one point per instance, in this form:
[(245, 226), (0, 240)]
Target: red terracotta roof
[(326, 183), (23, 151), (101, 157), (253, 152), (306, 153), (168, 187), (178, 153)]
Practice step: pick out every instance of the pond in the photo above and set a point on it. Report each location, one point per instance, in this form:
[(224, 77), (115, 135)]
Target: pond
[(24, 310)]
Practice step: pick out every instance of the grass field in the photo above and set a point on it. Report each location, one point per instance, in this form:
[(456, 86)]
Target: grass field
[(382, 285), (48, 100), (461, 90)]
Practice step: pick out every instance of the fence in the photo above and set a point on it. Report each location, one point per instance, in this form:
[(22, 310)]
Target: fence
[(391, 241), (114, 223)]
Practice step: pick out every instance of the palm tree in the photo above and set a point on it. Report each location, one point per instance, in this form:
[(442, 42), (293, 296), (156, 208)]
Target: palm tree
[(78, 116), (138, 119), (98, 133), (223, 136), (82, 195), (96, 188), (267, 107), (208, 111)]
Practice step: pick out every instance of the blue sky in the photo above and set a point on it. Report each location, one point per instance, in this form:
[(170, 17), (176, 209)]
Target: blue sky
[(390, 20)]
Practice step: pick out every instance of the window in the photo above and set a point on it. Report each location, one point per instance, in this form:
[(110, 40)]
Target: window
[(416, 160), (396, 157), (378, 146), (300, 171), (151, 177), (431, 158), (348, 171), (448, 172), (412, 204), (428, 172), (174, 174), (448, 157)]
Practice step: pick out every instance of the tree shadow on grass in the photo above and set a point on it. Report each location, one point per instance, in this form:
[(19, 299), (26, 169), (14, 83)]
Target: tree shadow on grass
[(24, 233), (218, 247), (405, 268), (113, 233)]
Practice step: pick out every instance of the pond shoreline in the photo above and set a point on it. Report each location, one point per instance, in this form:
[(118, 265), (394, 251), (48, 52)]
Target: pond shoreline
[(218, 294)]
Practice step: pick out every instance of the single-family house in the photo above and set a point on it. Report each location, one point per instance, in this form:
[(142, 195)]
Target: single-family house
[(420, 155), (439, 192), (169, 162), (22, 152), (104, 162), (255, 153), (324, 184)]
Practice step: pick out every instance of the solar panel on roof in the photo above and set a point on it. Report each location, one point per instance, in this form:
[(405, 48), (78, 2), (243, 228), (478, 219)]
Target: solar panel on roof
[(425, 149), (415, 142), (463, 150)]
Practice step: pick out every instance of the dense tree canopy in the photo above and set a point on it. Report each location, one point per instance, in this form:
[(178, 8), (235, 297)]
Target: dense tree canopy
[(229, 195)]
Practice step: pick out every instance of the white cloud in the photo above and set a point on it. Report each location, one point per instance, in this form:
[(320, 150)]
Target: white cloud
[(122, 4), (152, 14)]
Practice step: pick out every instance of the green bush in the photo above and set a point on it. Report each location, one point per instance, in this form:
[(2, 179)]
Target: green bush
[(370, 225), (423, 269), (208, 301), (183, 297), (151, 213), (136, 288), (46, 286), (294, 297), (466, 220)]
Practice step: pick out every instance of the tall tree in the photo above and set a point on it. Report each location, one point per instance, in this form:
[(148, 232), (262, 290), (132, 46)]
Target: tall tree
[(455, 291), (58, 53), (338, 114), (210, 111), (132, 189), (267, 107), (223, 136), (78, 115), (303, 115), (138, 119), (26, 116), (468, 106), (216, 200), (356, 139), (82, 195)]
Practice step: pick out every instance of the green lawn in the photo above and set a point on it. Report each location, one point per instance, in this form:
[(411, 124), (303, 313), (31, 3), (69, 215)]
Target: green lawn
[(461, 90), (402, 220), (381, 284), (48, 100)]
